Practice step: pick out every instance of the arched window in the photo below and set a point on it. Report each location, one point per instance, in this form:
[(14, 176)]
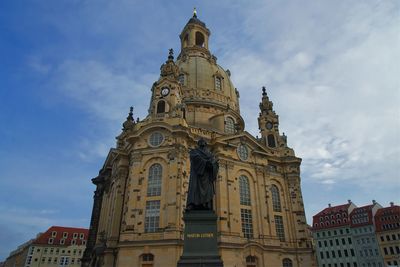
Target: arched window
[(161, 106), (218, 83), (276, 200), (271, 140), (251, 261), (287, 263), (229, 125), (154, 181), (199, 39), (244, 190), (245, 214)]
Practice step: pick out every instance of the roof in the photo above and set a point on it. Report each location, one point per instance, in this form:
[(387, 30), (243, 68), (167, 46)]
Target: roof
[(55, 234), (387, 219), (332, 217), (361, 216), (195, 20), (334, 209)]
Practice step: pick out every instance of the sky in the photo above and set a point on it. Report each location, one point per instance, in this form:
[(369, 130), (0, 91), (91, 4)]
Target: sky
[(70, 70)]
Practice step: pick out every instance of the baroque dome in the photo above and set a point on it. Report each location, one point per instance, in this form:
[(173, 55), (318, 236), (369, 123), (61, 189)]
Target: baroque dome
[(200, 75)]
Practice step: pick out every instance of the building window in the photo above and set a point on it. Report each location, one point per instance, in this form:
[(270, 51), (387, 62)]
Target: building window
[(161, 106), (271, 140), (287, 263), (276, 201), (53, 234), (81, 236), (199, 39), (181, 79), (244, 191), (218, 83), (152, 217), (73, 242), (147, 260), (280, 230), (75, 236), (229, 125), (242, 151), (247, 223), (156, 139), (64, 261), (62, 241), (154, 181), (65, 235), (251, 261), (29, 259), (148, 257), (51, 240)]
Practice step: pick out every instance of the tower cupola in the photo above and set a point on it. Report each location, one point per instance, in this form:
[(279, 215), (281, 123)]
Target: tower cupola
[(195, 34)]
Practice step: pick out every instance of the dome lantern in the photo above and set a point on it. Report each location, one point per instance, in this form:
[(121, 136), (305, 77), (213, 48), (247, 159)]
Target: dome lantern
[(195, 34)]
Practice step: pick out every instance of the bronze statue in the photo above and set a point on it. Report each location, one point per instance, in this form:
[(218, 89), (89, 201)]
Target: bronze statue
[(203, 173)]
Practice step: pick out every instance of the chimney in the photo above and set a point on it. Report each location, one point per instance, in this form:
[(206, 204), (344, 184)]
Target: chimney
[(349, 201), (391, 204), (373, 201), (329, 205)]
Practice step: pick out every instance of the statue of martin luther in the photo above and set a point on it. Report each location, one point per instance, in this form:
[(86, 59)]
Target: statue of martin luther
[(203, 173)]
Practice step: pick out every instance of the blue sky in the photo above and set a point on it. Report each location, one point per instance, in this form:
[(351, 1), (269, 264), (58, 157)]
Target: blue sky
[(70, 70)]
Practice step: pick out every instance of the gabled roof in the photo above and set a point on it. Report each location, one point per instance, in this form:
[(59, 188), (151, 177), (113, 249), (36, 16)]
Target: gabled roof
[(71, 234), (247, 136)]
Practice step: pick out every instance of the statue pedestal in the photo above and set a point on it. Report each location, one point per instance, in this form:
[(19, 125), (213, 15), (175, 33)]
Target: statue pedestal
[(200, 241)]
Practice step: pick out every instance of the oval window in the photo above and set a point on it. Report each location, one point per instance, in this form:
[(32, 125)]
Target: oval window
[(242, 151), (156, 139)]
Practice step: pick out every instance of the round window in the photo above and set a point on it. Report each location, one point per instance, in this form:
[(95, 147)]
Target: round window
[(156, 139), (242, 152)]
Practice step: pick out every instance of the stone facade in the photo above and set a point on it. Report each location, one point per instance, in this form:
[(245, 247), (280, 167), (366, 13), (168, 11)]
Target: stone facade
[(142, 187)]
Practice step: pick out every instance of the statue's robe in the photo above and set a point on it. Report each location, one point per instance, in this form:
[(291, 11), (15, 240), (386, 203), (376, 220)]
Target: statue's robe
[(203, 173)]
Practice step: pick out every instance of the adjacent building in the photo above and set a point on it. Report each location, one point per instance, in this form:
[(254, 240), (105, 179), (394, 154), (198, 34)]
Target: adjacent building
[(350, 236), (333, 239), (17, 258), (58, 246), (387, 221), (364, 237), (142, 187)]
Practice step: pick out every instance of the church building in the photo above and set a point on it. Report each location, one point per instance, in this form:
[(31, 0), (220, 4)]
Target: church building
[(141, 189)]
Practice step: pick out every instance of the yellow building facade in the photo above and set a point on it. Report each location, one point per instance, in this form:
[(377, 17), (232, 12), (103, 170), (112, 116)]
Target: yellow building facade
[(141, 190)]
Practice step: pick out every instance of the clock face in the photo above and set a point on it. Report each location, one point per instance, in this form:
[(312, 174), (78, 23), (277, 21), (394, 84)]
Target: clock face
[(164, 91), (269, 125)]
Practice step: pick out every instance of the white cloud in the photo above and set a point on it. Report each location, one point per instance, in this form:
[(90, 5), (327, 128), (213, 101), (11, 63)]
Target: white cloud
[(333, 80), (97, 88)]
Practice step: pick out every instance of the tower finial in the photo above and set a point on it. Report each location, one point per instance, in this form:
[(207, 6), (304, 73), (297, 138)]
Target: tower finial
[(130, 114), (264, 93), (171, 54), (194, 12)]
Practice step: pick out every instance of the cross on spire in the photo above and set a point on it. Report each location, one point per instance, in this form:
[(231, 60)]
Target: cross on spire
[(194, 12)]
